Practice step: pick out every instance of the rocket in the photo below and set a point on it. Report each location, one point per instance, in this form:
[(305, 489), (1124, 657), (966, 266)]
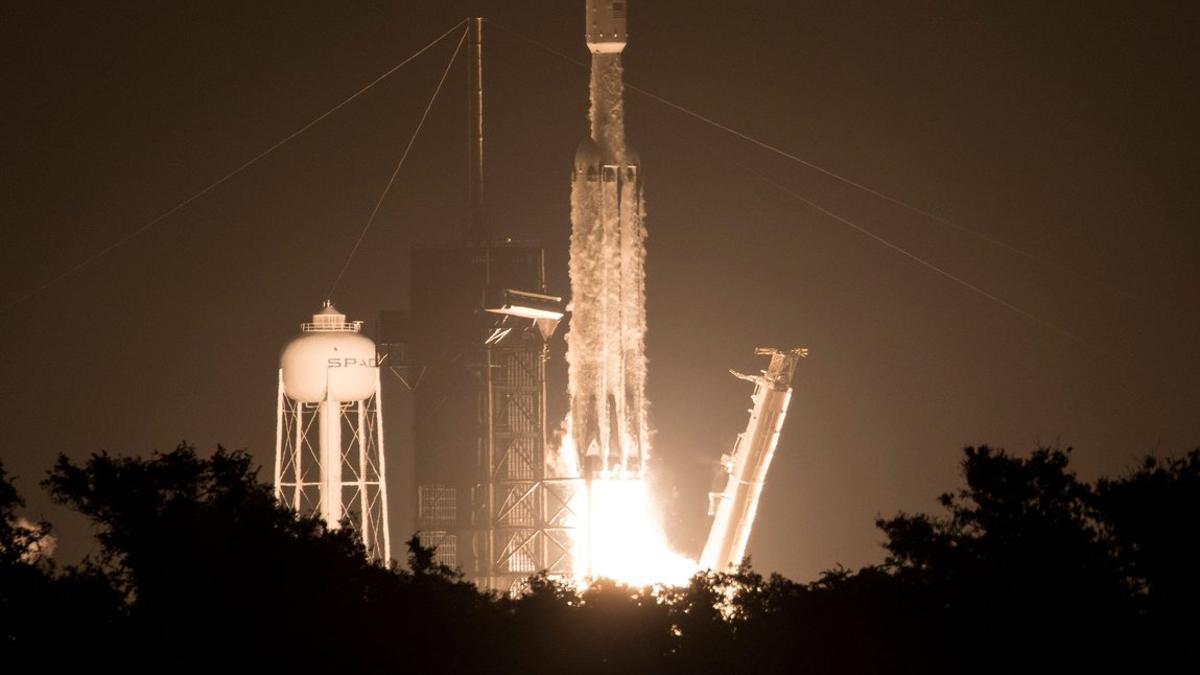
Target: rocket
[(606, 342), (606, 26)]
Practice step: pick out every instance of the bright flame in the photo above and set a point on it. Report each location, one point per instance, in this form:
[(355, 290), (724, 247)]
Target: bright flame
[(618, 536)]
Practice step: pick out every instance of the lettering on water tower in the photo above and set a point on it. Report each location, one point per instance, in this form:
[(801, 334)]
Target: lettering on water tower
[(351, 362)]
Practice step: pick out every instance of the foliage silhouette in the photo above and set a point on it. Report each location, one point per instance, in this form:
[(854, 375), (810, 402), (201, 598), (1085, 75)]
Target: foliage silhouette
[(1026, 568), (1151, 520), (42, 607), (1017, 569)]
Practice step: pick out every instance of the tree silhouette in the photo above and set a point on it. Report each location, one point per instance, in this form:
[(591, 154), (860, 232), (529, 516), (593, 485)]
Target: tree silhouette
[(1151, 518), (1026, 568), (215, 569), (42, 607), (1017, 569), (20, 540), (25, 584)]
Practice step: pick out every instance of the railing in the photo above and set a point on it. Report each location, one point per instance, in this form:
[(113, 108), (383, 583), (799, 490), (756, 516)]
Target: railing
[(342, 327)]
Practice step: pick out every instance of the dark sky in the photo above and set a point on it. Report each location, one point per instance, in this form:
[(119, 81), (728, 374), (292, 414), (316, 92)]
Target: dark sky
[(1067, 130)]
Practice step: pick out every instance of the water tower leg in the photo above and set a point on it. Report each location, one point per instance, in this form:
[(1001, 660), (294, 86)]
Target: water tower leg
[(383, 496), (279, 438), (331, 460), (297, 450), (364, 444)]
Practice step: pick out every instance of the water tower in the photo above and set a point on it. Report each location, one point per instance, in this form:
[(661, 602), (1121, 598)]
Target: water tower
[(329, 459)]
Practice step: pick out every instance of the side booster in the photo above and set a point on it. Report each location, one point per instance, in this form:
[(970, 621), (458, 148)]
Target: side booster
[(609, 416), (606, 26)]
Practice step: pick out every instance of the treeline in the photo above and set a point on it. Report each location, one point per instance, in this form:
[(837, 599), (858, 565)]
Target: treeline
[(197, 568)]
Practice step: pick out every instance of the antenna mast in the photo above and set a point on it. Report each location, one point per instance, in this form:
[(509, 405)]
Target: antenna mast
[(477, 232)]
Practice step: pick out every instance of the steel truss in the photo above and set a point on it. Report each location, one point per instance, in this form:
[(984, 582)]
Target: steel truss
[(526, 515), (298, 477), (517, 518)]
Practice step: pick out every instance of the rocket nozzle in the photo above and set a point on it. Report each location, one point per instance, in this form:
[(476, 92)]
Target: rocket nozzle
[(592, 466)]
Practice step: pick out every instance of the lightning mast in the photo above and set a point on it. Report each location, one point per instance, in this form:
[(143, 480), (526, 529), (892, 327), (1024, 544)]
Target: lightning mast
[(477, 231), (734, 509)]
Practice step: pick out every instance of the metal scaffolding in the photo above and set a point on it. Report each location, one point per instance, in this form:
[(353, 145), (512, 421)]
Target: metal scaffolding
[(485, 498)]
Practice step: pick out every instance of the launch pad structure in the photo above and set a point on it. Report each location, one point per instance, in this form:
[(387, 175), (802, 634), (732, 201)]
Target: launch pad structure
[(493, 497), (746, 465), (480, 325), (479, 329)]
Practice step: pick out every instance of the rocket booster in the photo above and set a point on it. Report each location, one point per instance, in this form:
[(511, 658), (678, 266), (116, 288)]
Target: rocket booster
[(606, 350)]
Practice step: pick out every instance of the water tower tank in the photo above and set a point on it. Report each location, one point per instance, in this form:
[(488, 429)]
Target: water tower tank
[(332, 356)]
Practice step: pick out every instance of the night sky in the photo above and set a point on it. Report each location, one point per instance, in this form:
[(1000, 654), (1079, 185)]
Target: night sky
[(1067, 131)]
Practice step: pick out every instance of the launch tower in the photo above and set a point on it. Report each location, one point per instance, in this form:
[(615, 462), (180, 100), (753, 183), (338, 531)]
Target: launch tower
[(480, 322)]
